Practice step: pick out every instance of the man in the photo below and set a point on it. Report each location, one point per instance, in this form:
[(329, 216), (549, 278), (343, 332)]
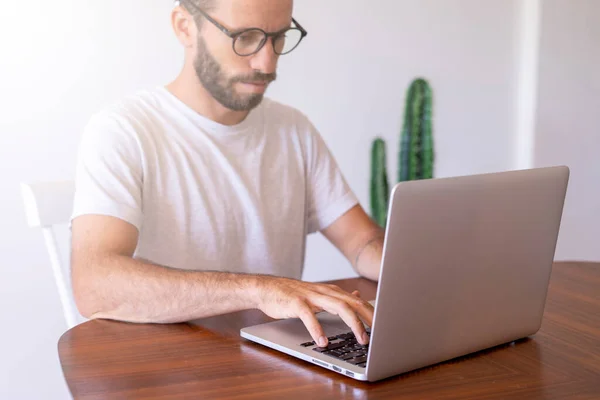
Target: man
[(195, 199)]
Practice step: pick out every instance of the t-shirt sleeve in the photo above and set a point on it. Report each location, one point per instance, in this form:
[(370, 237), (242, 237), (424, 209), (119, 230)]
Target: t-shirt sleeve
[(108, 175), (329, 195)]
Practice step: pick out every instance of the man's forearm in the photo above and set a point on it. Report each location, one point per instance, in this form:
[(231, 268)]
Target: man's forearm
[(368, 257), (125, 289)]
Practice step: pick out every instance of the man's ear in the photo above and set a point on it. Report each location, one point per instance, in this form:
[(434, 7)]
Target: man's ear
[(184, 26)]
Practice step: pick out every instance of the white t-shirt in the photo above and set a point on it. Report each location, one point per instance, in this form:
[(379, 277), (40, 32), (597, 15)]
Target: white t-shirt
[(206, 196)]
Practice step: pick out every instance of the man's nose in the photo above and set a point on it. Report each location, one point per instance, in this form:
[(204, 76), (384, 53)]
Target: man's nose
[(266, 59)]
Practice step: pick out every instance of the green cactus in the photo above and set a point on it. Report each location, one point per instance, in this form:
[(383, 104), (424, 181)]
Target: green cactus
[(379, 182), (416, 157), (416, 153)]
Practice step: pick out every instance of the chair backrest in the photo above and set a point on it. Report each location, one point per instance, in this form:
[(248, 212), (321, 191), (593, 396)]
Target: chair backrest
[(47, 205)]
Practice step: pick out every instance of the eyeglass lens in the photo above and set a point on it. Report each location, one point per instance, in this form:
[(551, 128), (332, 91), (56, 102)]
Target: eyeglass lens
[(251, 41)]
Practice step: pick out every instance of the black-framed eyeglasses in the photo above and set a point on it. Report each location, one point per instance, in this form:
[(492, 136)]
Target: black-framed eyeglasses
[(247, 42)]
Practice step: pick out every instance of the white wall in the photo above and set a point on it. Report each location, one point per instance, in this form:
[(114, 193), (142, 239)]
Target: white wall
[(60, 61), (568, 125), (64, 59), (353, 83)]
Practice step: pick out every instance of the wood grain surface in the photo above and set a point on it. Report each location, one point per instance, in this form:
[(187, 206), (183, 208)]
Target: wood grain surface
[(207, 359)]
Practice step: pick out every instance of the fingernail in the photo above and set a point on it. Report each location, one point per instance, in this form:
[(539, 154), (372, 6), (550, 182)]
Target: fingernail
[(365, 338), (322, 341)]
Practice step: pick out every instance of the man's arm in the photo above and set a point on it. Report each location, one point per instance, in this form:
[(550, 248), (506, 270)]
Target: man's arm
[(360, 239), (109, 283)]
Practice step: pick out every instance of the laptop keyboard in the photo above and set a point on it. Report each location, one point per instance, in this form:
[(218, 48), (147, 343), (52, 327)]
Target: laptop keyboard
[(344, 347)]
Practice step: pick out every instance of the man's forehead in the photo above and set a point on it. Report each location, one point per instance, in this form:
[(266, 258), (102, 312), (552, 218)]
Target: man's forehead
[(248, 5), (266, 14)]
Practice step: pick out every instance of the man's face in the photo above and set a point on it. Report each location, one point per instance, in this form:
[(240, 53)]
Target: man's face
[(237, 82)]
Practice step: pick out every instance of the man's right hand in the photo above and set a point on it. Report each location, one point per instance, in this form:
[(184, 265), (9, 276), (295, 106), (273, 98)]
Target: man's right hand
[(282, 298)]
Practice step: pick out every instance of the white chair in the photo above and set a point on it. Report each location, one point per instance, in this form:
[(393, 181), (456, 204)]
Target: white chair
[(47, 205)]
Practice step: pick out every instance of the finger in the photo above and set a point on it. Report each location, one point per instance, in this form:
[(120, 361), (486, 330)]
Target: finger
[(338, 307), (330, 289), (363, 308), (311, 323)]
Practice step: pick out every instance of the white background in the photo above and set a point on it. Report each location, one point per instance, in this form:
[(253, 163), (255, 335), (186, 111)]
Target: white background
[(62, 60)]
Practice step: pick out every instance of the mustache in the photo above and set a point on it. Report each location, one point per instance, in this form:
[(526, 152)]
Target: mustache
[(257, 77)]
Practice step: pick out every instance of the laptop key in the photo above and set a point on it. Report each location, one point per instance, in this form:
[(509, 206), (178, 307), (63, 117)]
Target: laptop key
[(349, 356), (328, 348), (335, 346), (345, 336), (362, 365), (357, 360), (308, 344)]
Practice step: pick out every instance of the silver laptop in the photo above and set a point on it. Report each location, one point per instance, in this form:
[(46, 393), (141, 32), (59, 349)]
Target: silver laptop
[(466, 266)]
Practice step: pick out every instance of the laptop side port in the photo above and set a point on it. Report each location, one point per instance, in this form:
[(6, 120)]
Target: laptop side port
[(321, 363), (349, 373), (336, 369)]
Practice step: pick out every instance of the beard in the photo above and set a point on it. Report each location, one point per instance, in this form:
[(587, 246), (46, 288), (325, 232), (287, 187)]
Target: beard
[(221, 87)]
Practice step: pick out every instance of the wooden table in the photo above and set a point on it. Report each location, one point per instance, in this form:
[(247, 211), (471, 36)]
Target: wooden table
[(207, 358)]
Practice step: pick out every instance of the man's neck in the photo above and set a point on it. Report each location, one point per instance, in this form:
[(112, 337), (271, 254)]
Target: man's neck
[(194, 95)]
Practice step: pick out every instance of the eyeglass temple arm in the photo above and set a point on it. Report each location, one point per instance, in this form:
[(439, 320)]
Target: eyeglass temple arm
[(208, 17), (304, 32), (225, 30)]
